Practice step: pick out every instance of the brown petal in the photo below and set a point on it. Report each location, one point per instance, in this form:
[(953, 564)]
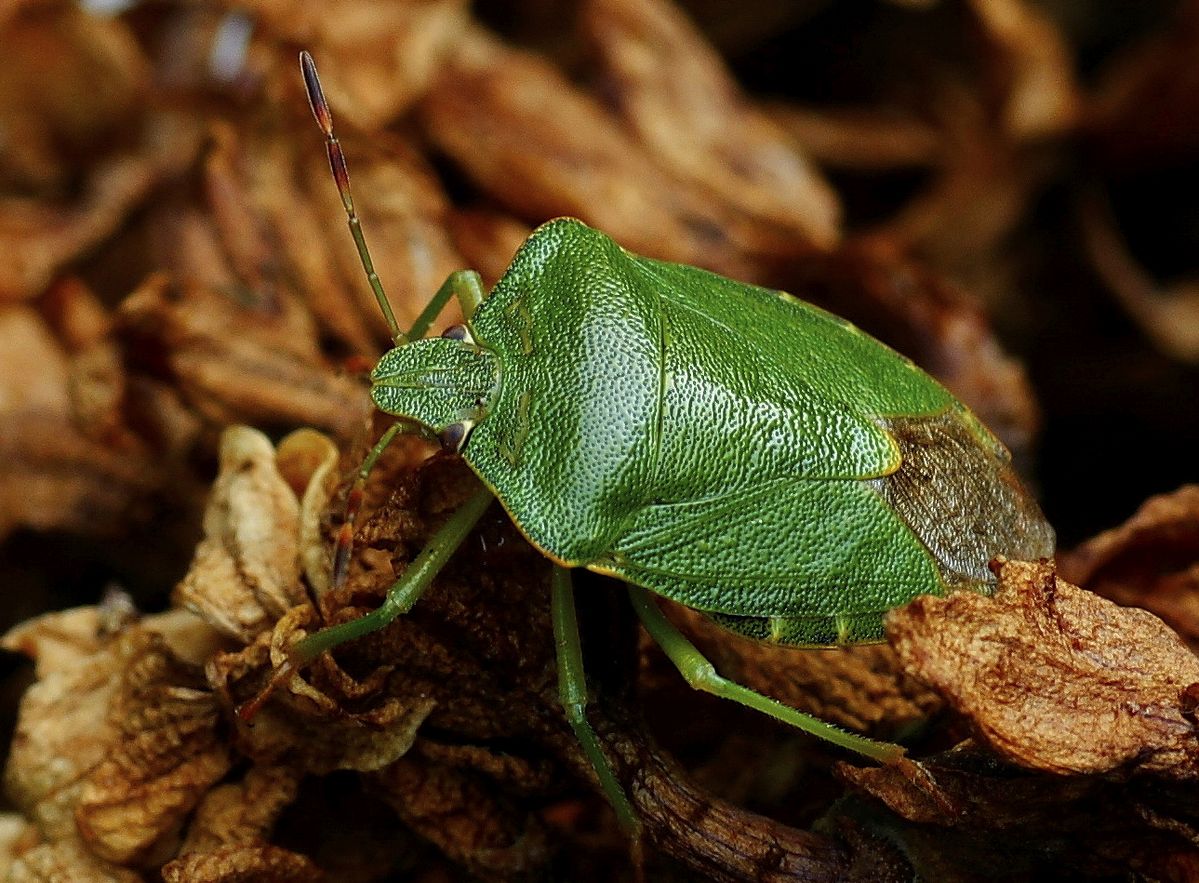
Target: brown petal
[(1151, 561), (246, 571), (1054, 678)]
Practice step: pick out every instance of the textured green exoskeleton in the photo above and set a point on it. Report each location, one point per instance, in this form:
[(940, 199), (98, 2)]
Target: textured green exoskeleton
[(720, 444)]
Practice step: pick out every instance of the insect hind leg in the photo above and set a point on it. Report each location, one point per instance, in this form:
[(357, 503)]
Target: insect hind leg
[(701, 675)]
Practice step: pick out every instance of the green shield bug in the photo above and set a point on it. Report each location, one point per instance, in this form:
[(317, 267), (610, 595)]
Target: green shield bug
[(723, 445)]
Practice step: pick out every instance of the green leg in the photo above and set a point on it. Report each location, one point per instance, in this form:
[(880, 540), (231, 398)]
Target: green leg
[(406, 591), (572, 692), (701, 674), (463, 284)]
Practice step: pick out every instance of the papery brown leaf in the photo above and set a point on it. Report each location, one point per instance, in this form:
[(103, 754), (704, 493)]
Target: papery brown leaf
[(969, 818), (40, 237), (405, 214), (51, 477), (677, 96), (246, 570), (72, 80), (269, 373), (545, 149), (96, 374), (1151, 561), (1054, 678), (65, 462), (489, 837)]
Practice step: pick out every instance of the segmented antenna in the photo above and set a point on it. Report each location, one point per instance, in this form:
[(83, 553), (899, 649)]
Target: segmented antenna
[(341, 174)]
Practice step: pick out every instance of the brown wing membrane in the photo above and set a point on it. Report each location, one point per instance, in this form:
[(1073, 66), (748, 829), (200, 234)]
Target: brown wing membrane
[(962, 499)]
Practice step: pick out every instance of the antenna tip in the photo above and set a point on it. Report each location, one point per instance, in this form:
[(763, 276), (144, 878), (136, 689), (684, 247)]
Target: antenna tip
[(316, 95)]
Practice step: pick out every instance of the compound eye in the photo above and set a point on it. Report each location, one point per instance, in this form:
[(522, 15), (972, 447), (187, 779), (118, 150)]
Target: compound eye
[(458, 332), (453, 437)]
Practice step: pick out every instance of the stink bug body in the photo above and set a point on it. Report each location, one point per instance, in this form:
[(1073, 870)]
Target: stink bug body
[(720, 444)]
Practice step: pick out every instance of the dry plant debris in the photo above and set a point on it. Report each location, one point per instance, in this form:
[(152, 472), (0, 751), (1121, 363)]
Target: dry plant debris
[(183, 328)]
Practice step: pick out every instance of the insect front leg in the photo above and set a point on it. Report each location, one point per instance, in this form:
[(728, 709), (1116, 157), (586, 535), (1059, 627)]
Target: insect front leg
[(701, 675), (405, 591), (572, 693)]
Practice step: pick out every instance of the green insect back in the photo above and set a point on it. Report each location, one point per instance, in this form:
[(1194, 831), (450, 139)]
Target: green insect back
[(720, 444)]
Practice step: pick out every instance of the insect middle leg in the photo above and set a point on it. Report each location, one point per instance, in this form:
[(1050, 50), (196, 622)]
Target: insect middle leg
[(701, 675), (572, 693)]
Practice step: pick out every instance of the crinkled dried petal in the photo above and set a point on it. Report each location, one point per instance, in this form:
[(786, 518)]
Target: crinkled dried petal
[(113, 742), (1054, 678), (543, 148), (308, 461), (58, 643), (66, 860), (261, 863), (269, 373), (167, 754), (1151, 560), (464, 819), (63, 731), (676, 94), (242, 813), (246, 570)]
